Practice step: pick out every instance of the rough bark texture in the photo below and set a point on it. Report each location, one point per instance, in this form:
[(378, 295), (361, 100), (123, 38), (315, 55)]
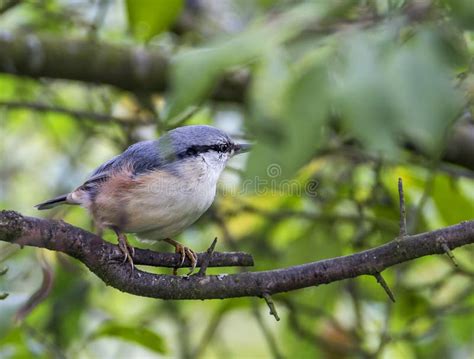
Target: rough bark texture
[(130, 68), (96, 254)]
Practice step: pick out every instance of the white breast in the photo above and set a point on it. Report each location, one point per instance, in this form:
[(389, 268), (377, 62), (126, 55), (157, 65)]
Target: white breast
[(170, 200)]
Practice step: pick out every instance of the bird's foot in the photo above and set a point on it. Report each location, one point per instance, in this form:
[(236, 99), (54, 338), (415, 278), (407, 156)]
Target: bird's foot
[(127, 250), (184, 252)]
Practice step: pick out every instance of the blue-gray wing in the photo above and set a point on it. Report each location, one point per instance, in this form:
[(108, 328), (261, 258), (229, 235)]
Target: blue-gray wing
[(141, 157)]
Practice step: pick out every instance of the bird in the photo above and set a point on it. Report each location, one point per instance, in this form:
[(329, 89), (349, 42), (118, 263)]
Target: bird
[(157, 188)]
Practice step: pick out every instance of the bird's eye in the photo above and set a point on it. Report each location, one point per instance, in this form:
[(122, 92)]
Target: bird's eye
[(224, 147)]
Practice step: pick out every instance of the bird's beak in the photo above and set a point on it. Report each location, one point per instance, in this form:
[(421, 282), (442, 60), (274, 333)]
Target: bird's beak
[(242, 148)]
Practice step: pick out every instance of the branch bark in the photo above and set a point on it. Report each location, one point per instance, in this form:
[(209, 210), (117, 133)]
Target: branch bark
[(93, 250), (131, 68), (96, 254)]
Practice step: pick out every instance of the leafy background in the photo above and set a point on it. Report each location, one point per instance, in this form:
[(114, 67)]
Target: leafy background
[(343, 98)]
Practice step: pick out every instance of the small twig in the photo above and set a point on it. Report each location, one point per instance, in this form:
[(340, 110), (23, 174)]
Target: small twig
[(383, 283), (446, 249), (403, 218), (207, 258), (97, 117), (271, 305)]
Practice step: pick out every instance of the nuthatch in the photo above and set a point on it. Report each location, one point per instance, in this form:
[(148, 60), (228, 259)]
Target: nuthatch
[(156, 189)]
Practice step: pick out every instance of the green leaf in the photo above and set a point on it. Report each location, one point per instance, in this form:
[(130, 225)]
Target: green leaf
[(362, 95), (138, 335), (195, 72), (385, 90), (148, 18), (270, 84), (306, 112), (289, 115), (422, 91)]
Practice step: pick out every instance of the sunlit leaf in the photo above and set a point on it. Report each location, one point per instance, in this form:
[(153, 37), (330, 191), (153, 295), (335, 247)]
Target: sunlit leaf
[(148, 18), (447, 191)]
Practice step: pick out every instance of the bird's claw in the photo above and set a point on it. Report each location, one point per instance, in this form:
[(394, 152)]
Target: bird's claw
[(185, 252), (127, 250)]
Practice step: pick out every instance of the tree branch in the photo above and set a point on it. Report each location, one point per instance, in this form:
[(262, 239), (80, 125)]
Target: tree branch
[(93, 250), (37, 56), (96, 254), (130, 68)]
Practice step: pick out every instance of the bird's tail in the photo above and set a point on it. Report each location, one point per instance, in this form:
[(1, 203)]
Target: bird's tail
[(53, 202)]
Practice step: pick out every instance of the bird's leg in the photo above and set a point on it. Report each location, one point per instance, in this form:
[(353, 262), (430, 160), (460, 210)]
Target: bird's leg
[(184, 252), (127, 250)]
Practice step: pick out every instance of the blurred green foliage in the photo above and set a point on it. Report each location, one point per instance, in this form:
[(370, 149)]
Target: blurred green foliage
[(139, 335), (341, 98)]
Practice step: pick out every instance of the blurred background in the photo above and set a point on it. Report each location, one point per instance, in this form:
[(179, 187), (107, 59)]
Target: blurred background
[(341, 99)]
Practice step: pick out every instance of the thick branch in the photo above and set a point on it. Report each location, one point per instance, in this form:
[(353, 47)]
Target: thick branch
[(96, 255), (130, 68), (40, 56)]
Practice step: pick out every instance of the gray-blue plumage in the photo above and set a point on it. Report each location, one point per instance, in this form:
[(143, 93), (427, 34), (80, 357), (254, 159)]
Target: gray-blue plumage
[(178, 143)]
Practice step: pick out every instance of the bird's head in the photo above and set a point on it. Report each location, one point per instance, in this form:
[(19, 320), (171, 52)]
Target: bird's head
[(206, 143)]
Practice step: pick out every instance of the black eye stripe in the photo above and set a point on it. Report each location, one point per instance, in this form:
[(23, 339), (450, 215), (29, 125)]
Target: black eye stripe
[(195, 150)]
